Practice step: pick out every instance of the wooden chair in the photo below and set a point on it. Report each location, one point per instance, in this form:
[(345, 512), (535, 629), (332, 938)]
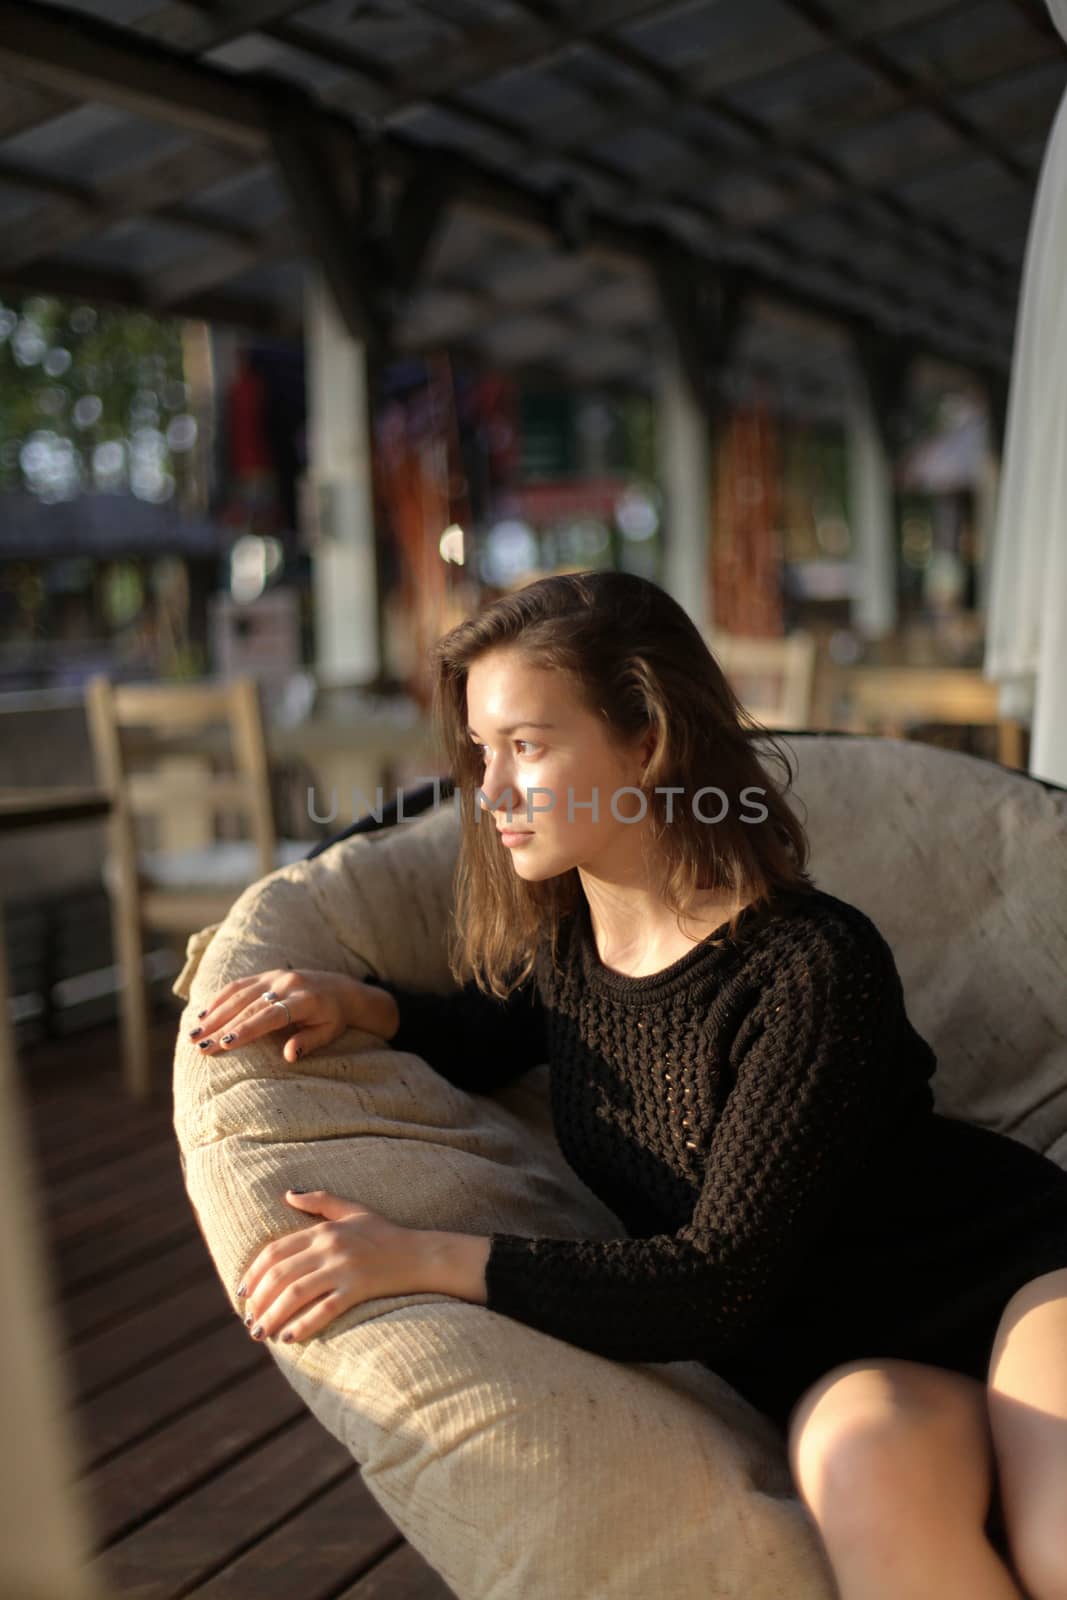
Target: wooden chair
[(195, 877), (893, 700), (774, 678)]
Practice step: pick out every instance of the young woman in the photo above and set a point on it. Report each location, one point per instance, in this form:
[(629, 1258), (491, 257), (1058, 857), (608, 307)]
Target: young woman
[(734, 1073)]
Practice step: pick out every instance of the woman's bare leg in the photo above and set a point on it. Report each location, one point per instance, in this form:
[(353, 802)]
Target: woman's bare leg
[(1028, 1413), (895, 1462)]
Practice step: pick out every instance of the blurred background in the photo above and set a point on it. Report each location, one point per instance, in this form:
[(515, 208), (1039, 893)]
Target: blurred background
[(323, 324)]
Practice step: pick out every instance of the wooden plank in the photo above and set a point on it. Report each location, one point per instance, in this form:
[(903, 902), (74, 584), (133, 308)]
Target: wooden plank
[(91, 1094), (172, 705), (159, 791), (98, 1147), (86, 1261), (85, 1067), (103, 1305), (203, 1472), (162, 1327), (336, 1537), (881, 696), (146, 1478), (403, 1575), (29, 808), (155, 1176), (208, 1529), (203, 1365), (132, 1158), (82, 1074), (111, 1187)]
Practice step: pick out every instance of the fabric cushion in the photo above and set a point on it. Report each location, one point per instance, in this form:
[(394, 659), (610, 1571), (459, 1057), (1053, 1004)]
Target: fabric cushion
[(517, 1464), (962, 864)]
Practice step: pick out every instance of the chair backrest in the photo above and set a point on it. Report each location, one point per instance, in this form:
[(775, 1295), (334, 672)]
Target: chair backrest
[(142, 725), (962, 865), (959, 862), (773, 678)]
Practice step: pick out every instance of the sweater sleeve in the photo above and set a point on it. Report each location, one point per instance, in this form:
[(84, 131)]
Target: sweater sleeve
[(476, 1041), (806, 1103)]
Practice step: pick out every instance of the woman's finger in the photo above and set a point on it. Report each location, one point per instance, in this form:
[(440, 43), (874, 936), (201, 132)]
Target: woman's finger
[(260, 1016), (228, 1003), (272, 1256), (304, 1040), (317, 1316), (233, 996), (294, 1297)]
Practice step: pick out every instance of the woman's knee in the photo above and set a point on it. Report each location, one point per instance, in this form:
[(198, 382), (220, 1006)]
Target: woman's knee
[(870, 1434)]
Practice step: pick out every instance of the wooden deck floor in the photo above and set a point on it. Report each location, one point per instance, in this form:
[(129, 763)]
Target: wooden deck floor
[(203, 1472)]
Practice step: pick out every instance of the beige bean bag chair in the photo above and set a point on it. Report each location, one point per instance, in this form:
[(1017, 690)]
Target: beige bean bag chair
[(522, 1467)]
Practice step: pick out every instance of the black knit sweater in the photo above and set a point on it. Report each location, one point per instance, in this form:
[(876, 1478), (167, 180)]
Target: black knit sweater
[(728, 1109)]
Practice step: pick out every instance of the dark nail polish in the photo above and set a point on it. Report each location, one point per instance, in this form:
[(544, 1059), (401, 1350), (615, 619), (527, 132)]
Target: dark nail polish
[(228, 1038), (257, 1331), (299, 1051), (248, 1320), (240, 1291), (200, 1014), (204, 1043), (287, 1337), (195, 1033)]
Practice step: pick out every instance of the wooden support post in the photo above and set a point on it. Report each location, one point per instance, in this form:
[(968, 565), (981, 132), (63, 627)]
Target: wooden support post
[(871, 516), (344, 561), (683, 449), (876, 419), (705, 315)]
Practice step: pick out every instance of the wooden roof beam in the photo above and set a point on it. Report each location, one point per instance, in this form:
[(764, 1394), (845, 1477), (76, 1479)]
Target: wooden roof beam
[(70, 50)]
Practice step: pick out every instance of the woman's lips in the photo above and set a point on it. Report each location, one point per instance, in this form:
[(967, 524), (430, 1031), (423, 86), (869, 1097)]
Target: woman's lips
[(512, 838)]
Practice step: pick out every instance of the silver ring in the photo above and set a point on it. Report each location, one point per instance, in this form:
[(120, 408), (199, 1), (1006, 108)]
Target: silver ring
[(272, 999)]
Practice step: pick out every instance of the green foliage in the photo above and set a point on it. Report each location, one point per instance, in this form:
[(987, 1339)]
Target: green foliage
[(91, 398)]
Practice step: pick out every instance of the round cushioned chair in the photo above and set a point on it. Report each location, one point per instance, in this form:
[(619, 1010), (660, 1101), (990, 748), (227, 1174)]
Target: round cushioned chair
[(522, 1467)]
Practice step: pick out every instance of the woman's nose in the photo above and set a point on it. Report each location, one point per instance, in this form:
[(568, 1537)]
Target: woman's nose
[(500, 794)]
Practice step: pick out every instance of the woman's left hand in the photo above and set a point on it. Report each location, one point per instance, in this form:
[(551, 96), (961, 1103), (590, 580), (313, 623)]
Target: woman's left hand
[(301, 1282)]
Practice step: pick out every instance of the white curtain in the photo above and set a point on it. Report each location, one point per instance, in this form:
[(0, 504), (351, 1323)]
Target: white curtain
[(1026, 648)]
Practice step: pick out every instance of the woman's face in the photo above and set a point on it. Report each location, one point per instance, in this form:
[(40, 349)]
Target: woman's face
[(550, 774)]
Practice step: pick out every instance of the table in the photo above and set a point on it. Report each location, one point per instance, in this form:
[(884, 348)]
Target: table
[(30, 808), (888, 700), (355, 756), (350, 756)]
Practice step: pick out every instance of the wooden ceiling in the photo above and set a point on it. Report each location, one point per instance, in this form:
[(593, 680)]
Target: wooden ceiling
[(539, 182)]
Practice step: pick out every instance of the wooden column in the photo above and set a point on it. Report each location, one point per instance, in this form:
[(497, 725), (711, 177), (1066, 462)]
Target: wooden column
[(705, 315), (871, 516), (344, 564), (881, 378), (683, 447)]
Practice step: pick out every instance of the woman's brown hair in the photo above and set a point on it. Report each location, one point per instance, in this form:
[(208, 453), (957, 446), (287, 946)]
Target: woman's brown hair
[(631, 654)]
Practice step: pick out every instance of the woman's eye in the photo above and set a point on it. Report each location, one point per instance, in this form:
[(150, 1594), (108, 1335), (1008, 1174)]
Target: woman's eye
[(480, 749)]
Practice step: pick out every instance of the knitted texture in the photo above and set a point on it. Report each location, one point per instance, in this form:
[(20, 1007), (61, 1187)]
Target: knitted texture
[(740, 1112)]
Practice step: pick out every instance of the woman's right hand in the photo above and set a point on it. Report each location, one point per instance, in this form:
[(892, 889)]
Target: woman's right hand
[(321, 1005)]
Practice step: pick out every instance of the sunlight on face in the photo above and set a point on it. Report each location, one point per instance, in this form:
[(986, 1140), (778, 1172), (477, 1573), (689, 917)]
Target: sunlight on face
[(548, 775)]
